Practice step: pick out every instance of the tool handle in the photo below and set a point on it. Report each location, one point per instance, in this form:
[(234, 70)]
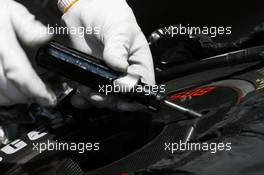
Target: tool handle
[(87, 70), (75, 65)]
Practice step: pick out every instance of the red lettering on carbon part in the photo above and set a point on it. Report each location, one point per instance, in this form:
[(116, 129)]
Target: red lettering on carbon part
[(197, 92)]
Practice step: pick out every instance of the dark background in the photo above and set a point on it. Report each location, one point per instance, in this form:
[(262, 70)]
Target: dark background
[(241, 15)]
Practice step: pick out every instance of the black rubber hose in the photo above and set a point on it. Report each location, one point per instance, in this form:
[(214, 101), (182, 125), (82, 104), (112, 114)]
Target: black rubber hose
[(254, 54)]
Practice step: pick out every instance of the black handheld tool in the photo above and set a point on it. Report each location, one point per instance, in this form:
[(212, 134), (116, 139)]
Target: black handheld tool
[(92, 72)]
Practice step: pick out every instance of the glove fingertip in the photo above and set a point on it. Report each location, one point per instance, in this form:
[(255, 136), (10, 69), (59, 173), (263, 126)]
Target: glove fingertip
[(116, 58), (48, 100), (127, 82)]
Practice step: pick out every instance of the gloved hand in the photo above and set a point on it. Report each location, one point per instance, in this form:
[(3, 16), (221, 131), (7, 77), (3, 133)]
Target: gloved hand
[(119, 42), (19, 83)]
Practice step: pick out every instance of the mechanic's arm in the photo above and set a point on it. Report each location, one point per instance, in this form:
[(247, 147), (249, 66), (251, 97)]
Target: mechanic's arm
[(117, 39), (19, 83)]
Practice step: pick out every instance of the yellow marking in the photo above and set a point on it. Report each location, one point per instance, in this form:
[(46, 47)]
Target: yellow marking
[(69, 6)]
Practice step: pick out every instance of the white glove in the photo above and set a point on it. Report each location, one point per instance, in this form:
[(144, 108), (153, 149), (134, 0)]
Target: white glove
[(119, 42), (19, 83)]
